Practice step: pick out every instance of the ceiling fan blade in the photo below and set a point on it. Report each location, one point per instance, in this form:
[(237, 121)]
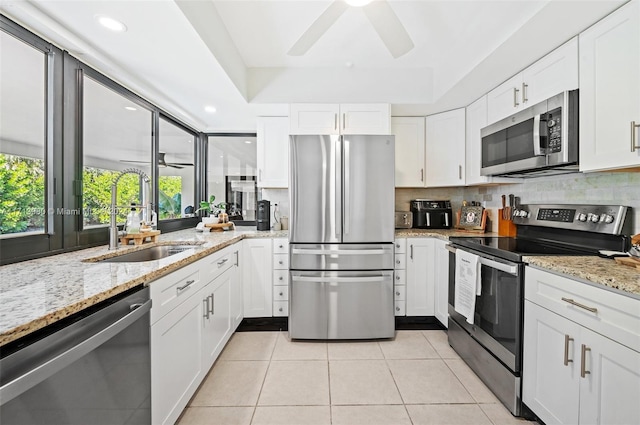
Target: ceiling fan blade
[(389, 28), (174, 166), (318, 28), (136, 162), (187, 164)]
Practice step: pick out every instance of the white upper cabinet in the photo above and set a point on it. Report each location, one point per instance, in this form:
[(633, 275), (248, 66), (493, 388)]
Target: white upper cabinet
[(476, 119), (445, 149), (553, 74), (409, 132), (315, 118), (273, 152), (610, 91)]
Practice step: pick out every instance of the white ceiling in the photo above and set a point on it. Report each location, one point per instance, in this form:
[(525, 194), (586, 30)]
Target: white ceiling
[(232, 54)]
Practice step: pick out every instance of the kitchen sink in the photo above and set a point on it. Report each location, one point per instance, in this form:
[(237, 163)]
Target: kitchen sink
[(147, 254)]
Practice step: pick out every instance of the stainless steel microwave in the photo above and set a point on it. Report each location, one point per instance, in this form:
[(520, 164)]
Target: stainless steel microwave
[(539, 140)]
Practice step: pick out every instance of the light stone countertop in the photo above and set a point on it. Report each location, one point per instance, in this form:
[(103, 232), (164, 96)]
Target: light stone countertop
[(593, 270), (36, 293)]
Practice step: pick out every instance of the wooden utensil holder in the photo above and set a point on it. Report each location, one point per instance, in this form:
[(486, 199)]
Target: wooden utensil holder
[(505, 226)]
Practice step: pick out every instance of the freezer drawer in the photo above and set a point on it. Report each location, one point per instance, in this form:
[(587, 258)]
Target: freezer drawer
[(341, 305), (341, 257)]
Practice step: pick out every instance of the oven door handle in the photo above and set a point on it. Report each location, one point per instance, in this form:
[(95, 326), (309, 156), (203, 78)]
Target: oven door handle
[(507, 268)]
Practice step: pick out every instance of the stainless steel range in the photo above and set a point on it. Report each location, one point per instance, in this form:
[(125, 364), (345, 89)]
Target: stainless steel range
[(490, 338)]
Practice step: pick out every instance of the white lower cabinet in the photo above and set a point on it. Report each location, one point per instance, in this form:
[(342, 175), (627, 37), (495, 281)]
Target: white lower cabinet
[(195, 311), (176, 364), (420, 288), (441, 281), (400, 277), (572, 374), (257, 272)]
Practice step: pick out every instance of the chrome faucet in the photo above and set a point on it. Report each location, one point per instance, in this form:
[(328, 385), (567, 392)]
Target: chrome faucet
[(145, 206)]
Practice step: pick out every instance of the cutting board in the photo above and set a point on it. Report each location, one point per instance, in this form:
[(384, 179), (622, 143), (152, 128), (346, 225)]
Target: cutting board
[(218, 227), (628, 261)]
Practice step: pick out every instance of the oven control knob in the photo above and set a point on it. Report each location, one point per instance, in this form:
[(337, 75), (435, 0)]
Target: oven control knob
[(582, 217), (594, 218), (606, 218)]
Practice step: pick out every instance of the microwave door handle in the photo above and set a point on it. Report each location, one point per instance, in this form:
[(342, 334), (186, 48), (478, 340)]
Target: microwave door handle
[(428, 217), (446, 219), (538, 150)]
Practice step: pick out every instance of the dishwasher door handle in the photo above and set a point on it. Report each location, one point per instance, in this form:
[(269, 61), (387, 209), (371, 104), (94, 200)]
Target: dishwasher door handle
[(41, 372), (330, 279)]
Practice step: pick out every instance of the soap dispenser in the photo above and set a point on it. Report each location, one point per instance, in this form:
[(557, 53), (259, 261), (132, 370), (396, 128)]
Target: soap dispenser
[(133, 221)]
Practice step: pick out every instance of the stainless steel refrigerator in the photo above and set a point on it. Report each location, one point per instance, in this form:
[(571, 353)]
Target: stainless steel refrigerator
[(341, 237)]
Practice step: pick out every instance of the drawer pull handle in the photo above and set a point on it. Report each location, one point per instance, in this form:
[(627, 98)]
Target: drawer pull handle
[(212, 307), (280, 278), (397, 277), (206, 308), (567, 360), (186, 285), (397, 261), (221, 263), (577, 304), (281, 293), (280, 246), (397, 308), (281, 262), (280, 310), (398, 293), (583, 357)]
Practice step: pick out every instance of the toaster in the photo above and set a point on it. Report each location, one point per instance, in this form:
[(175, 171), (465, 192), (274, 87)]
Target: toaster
[(404, 219)]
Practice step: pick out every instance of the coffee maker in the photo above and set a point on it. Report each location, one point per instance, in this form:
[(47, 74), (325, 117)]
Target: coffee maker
[(264, 215), (428, 214)]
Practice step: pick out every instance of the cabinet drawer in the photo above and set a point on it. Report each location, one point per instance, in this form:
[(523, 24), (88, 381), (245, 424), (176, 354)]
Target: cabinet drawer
[(400, 246), (172, 290), (605, 312), (400, 262), (400, 277), (399, 292), (400, 308), (280, 261), (280, 246), (280, 308), (280, 293), (281, 277), (216, 264)]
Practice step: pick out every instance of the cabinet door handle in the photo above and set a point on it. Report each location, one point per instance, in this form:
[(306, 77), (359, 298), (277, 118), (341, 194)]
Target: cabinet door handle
[(398, 293), (515, 97), (281, 293), (634, 131), (422, 174), (344, 121), (397, 308), (459, 172), (259, 174), (567, 360), (397, 278), (524, 92), (411, 252), (281, 278), (280, 310), (186, 285), (577, 304), (206, 308), (583, 358), (335, 121), (212, 306)]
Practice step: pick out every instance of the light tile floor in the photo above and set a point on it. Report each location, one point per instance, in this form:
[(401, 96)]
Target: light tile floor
[(264, 378)]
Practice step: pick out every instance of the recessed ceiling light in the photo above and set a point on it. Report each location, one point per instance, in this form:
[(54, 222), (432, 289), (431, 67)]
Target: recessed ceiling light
[(130, 108), (110, 23), (358, 3), (248, 141), (210, 109)]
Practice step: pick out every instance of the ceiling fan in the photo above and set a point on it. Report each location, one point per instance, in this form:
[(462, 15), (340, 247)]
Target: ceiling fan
[(162, 162), (380, 14)]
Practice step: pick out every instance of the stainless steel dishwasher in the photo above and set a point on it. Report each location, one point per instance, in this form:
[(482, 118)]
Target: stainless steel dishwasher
[(92, 369)]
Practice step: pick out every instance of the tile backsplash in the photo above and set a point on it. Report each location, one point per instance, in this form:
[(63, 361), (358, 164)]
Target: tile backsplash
[(617, 188)]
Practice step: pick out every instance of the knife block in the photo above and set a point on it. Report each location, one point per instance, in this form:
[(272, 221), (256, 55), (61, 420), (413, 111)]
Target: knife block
[(505, 227)]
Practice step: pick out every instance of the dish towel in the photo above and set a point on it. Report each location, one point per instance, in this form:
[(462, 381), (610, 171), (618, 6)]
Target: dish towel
[(468, 284)]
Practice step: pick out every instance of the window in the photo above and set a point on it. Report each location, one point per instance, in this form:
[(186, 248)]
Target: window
[(117, 135), (231, 176), (23, 135), (176, 173)]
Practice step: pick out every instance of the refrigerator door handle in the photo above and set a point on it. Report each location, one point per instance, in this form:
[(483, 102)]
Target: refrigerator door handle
[(339, 279), (340, 252), (347, 187), (336, 187)]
